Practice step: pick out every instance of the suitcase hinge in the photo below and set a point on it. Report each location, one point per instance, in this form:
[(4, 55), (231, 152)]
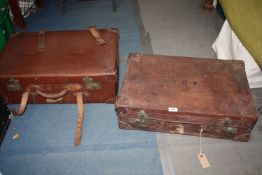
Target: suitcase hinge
[(89, 84), (13, 85), (229, 129), (143, 118)]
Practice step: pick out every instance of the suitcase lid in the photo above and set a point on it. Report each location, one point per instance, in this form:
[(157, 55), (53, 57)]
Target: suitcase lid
[(187, 89), (65, 53)]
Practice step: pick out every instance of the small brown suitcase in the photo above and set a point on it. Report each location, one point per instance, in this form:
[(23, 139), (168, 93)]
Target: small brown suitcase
[(60, 67), (186, 95)]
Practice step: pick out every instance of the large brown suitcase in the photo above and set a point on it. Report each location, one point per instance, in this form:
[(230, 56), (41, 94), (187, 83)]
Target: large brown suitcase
[(69, 61), (60, 67), (186, 95)]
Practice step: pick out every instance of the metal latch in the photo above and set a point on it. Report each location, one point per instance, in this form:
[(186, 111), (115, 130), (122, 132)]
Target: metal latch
[(143, 118), (229, 129), (13, 85), (226, 121), (89, 84)]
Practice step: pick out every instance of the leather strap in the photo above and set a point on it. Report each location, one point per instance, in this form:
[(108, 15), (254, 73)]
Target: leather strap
[(23, 104), (95, 33), (79, 120)]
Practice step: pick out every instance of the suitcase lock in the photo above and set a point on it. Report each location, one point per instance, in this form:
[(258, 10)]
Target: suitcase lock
[(89, 84), (226, 122), (228, 129), (143, 118), (13, 85)]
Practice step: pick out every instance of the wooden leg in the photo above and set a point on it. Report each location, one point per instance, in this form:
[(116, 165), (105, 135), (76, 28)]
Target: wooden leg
[(15, 9)]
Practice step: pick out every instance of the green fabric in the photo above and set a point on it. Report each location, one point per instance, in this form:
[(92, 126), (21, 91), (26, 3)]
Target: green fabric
[(245, 19)]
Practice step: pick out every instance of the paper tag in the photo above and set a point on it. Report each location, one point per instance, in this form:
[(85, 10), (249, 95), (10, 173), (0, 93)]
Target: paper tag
[(203, 160), (172, 109)]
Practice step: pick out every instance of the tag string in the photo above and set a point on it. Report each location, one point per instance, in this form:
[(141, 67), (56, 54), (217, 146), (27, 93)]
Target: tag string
[(200, 142)]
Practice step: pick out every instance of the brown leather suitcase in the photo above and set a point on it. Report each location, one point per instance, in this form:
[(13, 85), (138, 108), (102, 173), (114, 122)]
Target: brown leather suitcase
[(60, 67), (187, 96)]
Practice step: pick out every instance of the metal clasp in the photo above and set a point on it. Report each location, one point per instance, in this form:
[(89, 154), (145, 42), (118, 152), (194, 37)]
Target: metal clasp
[(226, 127), (89, 84), (13, 85)]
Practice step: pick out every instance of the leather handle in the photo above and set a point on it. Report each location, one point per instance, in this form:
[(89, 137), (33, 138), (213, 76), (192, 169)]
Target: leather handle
[(22, 105), (95, 33), (80, 118), (52, 96)]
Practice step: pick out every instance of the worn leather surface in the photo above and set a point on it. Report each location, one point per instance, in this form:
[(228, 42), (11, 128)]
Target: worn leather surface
[(165, 91), (66, 59)]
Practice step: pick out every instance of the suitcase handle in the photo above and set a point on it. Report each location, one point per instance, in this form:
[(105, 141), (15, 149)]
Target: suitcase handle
[(23, 104), (52, 96), (95, 33), (79, 119)]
